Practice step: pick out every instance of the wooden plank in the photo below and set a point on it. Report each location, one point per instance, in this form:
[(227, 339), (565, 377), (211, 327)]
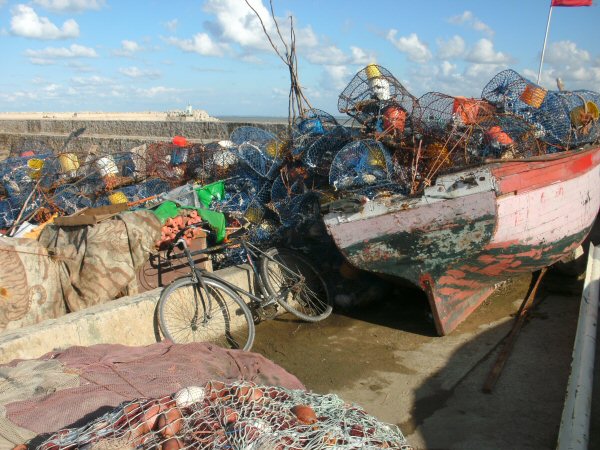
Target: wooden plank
[(90, 216), (510, 340)]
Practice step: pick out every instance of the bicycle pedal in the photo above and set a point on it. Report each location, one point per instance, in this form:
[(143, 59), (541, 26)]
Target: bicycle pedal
[(269, 311)]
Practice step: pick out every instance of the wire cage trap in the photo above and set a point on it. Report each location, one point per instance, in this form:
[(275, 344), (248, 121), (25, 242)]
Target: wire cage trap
[(361, 163), (320, 153), (439, 114), (377, 100)]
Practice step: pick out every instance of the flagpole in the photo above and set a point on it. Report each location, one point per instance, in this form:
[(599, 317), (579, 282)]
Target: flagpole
[(544, 47)]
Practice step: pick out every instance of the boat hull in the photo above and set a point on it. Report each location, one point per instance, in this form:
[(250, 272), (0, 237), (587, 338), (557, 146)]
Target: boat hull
[(475, 228)]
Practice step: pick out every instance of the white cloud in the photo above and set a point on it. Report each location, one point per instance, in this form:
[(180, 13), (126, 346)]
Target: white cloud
[(447, 68), (91, 81), (42, 61), (79, 66), (128, 48), (565, 52), (200, 43), (237, 23), (452, 48), (2, 3), (483, 53), (18, 96), (171, 25), (306, 37), (70, 5), (467, 18), (155, 91), (461, 19), (361, 57), (483, 71), (331, 55), (74, 51), (26, 23), (338, 76), (411, 45), (136, 72)]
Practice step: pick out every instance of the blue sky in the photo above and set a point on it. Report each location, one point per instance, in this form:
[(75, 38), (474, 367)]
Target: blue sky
[(157, 55)]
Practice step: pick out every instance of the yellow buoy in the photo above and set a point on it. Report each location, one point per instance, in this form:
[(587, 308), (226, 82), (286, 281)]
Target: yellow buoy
[(372, 71), (68, 162), (275, 149), (117, 197), (582, 115), (533, 95), (35, 165)]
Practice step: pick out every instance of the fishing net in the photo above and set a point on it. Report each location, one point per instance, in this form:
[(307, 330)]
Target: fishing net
[(261, 151), (377, 100), (361, 163), (240, 415)]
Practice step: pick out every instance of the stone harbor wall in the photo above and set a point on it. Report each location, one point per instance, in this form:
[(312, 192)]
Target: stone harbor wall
[(116, 135)]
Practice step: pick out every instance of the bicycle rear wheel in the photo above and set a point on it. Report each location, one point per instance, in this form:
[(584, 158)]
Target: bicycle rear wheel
[(189, 313), (295, 283)]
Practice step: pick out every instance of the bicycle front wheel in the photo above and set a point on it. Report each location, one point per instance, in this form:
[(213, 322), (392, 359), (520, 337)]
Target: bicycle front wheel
[(295, 283), (189, 313)]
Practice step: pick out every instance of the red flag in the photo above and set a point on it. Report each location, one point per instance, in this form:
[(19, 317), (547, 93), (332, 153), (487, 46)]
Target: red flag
[(571, 3)]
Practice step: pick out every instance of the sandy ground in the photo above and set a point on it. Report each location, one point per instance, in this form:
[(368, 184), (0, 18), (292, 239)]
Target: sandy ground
[(386, 357), (141, 116)]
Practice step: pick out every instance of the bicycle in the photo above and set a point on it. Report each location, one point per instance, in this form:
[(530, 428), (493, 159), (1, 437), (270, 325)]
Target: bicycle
[(205, 307)]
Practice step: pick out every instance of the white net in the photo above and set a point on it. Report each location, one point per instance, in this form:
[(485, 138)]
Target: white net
[(241, 415)]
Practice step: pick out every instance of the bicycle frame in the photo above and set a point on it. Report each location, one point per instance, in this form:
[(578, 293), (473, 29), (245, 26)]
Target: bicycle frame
[(252, 252)]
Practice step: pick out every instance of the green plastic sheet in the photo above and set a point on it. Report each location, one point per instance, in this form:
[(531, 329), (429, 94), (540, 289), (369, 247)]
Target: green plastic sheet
[(215, 219)]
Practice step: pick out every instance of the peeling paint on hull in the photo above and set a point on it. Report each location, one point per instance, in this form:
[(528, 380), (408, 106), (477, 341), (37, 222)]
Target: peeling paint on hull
[(460, 238)]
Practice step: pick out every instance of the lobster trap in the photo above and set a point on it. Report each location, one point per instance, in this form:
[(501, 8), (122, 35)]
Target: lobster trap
[(377, 100), (319, 155), (361, 163), (260, 150), (438, 115)]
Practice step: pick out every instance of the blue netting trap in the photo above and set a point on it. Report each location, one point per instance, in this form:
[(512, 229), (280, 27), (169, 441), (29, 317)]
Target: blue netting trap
[(11, 208), (260, 150), (361, 163), (69, 199), (320, 153), (438, 115), (562, 118), (315, 122), (299, 209)]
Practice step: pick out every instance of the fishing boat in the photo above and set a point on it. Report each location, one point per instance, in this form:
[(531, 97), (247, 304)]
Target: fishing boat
[(475, 227)]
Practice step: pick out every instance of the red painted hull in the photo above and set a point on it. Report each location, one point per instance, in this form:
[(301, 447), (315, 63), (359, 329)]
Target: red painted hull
[(475, 228)]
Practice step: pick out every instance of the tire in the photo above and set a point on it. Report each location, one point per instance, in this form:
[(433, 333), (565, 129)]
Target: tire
[(310, 300), (230, 325)]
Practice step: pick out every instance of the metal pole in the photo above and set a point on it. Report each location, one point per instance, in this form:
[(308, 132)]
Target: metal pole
[(575, 422), (544, 47)]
